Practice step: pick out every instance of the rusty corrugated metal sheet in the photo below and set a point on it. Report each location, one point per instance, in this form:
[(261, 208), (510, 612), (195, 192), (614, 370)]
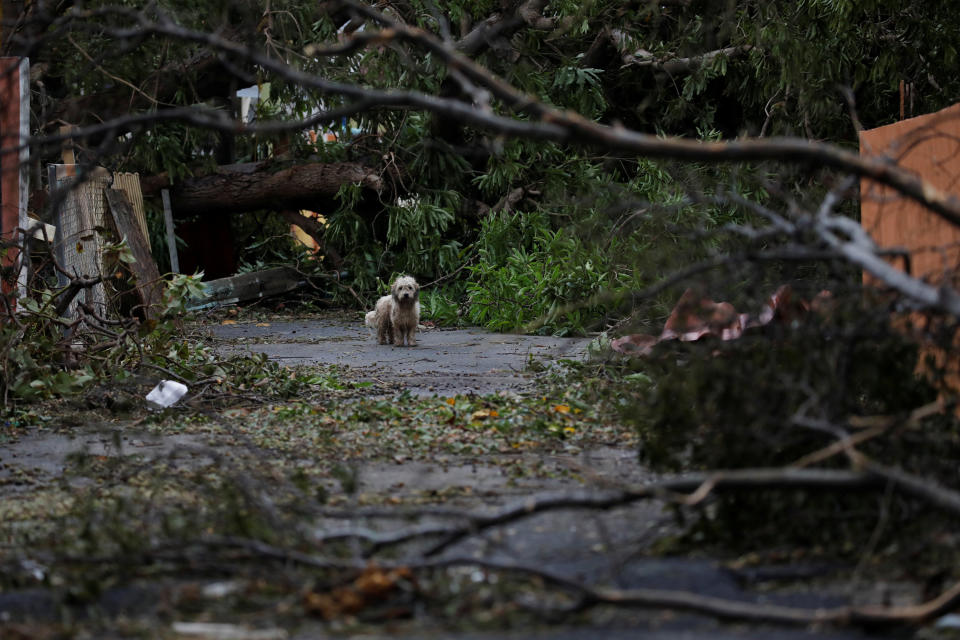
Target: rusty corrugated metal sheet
[(696, 316), (928, 146)]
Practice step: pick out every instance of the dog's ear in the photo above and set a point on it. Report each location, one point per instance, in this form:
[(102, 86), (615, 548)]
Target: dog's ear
[(416, 290), (393, 289)]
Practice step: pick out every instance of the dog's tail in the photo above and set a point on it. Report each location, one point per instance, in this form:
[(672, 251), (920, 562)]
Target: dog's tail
[(371, 319)]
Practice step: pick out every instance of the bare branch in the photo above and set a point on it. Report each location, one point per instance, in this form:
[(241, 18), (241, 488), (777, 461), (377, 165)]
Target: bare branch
[(722, 608), (572, 128), (552, 125), (668, 488)]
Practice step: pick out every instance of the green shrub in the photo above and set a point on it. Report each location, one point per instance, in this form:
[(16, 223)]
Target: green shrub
[(535, 283), (770, 397), (441, 306)]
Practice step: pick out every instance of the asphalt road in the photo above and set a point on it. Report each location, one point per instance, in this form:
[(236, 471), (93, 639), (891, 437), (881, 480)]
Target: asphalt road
[(444, 362)]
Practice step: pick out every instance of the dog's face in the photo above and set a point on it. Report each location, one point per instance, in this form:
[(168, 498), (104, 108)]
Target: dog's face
[(405, 290)]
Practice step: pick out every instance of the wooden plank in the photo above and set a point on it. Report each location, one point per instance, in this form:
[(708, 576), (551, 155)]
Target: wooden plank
[(59, 236), (129, 183), (250, 286), (79, 213), (24, 163), (171, 238), (145, 269), (67, 154)]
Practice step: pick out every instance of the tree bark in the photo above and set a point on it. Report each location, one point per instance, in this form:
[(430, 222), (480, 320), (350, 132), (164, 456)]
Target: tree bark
[(251, 187)]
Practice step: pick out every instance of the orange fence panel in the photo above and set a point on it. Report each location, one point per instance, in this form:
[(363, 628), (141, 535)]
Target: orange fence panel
[(928, 146)]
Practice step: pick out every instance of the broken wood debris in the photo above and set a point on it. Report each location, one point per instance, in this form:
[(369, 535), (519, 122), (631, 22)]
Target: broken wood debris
[(249, 286), (145, 268)]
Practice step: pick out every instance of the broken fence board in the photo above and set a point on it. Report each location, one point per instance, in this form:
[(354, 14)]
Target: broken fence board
[(129, 183), (145, 268), (78, 219)]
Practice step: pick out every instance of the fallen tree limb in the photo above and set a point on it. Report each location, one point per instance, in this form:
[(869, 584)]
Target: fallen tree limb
[(255, 186), (687, 489), (721, 608), (643, 58), (671, 489), (757, 612), (941, 497)]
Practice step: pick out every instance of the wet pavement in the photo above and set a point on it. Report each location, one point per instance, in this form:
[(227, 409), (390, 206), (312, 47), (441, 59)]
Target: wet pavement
[(51, 452), (444, 362)]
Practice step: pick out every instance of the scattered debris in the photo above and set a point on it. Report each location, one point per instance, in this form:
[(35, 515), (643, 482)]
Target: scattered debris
[(217, 590), (373, 585), (696, 316), (949, 621)]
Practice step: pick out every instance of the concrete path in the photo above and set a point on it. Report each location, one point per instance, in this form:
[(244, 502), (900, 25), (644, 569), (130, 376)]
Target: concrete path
[(444, 362)]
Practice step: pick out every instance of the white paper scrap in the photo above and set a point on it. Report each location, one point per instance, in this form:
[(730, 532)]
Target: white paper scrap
[(167, 393)]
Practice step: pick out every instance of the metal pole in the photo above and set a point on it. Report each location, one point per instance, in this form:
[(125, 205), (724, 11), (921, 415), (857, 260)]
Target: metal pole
[(171, 239)]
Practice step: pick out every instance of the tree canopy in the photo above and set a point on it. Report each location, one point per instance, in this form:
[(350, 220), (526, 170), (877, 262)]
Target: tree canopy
[(153, 89)]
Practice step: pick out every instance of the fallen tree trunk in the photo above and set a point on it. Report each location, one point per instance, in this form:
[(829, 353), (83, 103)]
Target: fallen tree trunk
[(249, 286), (255, 186)]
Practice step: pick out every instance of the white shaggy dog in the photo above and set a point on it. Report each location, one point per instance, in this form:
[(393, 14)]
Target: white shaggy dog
[(396, 316)]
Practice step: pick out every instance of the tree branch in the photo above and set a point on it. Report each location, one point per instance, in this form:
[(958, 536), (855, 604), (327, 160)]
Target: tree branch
[(551, 125), (668, 488), (643, 58), (722, 608)]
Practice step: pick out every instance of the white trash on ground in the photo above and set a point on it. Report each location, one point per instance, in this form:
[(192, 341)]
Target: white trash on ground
[(167, 393)]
